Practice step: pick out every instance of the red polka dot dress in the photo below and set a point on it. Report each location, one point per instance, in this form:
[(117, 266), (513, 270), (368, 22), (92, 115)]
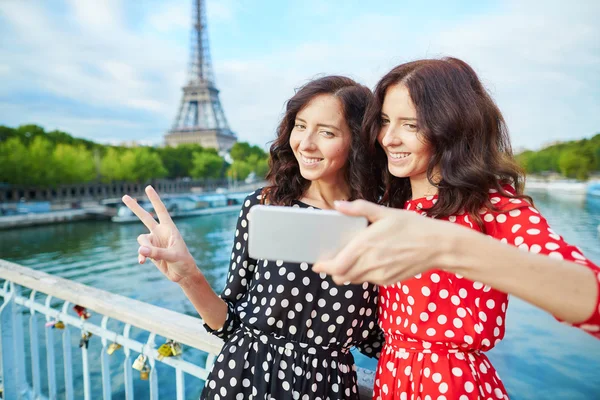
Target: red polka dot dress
[(438, 325)]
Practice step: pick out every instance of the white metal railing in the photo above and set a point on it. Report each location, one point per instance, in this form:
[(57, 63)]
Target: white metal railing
[(155, 321)]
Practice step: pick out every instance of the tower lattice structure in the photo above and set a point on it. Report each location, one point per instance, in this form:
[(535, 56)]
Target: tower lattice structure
[(200, 119)]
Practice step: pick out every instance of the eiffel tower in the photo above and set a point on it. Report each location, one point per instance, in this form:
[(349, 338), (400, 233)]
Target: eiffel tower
[(200, 119)]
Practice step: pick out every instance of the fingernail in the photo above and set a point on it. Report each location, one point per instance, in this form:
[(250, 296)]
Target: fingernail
[(144, 251)]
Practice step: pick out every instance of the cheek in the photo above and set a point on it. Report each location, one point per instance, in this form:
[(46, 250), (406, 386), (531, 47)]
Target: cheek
[(425, 150), (380, 136), (338, 151), (294, 141)]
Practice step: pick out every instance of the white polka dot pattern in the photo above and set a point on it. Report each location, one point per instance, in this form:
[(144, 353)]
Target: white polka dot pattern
[(289, 330), (454, 320)]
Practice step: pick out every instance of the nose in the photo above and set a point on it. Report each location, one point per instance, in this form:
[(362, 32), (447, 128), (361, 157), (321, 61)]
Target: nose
[(308, 142), (389, 136)]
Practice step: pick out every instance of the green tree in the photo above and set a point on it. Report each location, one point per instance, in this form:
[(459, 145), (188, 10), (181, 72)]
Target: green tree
[(242, 151), (179, 160), (6, 133), (135, 165), (239, 151), (110, 166), (73, 164), (261, 168), (207, 165), (239, 170), (576, 163), (258, 164), (29, 132), (14, 160), (41, 162), (146, 165)]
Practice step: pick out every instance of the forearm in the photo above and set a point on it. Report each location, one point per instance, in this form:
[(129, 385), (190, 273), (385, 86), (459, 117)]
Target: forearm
[(566, 290), (211, 307)]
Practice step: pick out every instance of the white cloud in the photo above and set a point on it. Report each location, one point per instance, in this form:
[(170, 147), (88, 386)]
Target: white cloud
[(103, 64), (542, 64), (178, 15)]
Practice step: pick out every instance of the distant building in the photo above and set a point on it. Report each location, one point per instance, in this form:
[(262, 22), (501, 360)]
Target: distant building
[(200, 119)]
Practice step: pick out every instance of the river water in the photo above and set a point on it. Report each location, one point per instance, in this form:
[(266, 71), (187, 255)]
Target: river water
[(538, 359)]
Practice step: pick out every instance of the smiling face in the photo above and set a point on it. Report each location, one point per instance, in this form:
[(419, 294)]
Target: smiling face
[(321, 140), (407, 153)]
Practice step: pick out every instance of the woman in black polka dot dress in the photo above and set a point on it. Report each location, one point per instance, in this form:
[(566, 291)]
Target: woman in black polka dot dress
[(288, 331)]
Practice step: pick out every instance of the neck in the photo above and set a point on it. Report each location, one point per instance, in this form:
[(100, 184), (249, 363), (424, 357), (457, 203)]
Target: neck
[(421, 187), (322, 194)]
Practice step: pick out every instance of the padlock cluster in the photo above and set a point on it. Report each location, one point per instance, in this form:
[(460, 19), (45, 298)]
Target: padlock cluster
[(168, 349)]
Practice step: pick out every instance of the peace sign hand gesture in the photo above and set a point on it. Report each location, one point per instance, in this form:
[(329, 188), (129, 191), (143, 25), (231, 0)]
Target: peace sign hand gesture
[(164, 245)]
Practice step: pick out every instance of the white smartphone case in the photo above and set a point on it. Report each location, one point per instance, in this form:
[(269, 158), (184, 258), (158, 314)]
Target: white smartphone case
[(294, 234)]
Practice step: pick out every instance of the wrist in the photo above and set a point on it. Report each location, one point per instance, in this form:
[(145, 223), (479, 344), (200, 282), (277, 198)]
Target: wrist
[(456, 249), (195, 278)]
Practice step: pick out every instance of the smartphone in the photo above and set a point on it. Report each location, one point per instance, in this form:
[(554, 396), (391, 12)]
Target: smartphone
[(294, 234)]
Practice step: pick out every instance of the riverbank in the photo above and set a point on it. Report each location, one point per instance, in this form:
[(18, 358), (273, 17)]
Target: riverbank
[(179, 205), (567, 186), (54, 217)]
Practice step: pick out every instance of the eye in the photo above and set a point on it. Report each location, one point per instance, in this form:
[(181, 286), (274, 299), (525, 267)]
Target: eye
[(411, 127), (299, 126), (384, 121), (327, 134)]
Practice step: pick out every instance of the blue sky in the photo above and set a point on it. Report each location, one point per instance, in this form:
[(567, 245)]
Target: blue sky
[(112, 70)]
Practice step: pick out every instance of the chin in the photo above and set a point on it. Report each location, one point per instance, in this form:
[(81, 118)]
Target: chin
[(398, 172), (309, 175)]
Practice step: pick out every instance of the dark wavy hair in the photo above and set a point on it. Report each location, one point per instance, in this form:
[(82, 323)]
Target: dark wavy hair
[(465, 129), (286, 182)]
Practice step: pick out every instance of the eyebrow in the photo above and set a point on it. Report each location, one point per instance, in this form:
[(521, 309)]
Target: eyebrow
[(400, 118), (323, 125)]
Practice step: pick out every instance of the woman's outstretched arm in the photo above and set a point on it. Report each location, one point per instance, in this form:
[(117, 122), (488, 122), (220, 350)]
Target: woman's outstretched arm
[(401, 244)]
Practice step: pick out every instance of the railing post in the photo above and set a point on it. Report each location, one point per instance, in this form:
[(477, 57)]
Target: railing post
[(9, 364), (19, 344), (50, 356), (180, 384), (106, 388), (87, 390), (127, 370), (151, 347), (35, 348), (68, 357)]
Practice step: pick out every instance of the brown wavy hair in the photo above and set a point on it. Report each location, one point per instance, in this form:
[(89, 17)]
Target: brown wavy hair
[(286, 182), (465, 129)]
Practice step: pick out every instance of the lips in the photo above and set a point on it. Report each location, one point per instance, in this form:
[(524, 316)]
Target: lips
[(310, 160), (398, 155)]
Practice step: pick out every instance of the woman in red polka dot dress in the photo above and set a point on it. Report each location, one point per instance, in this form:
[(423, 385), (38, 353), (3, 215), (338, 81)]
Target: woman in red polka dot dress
[(443, 147)]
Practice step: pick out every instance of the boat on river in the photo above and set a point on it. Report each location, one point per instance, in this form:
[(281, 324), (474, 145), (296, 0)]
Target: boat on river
[(187, 205), (593, 189)]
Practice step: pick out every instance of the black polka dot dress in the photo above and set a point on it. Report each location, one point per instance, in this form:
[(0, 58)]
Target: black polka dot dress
[(289, 330)]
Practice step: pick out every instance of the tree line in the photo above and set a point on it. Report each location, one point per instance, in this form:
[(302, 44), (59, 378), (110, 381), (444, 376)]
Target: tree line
[(575, 159), (31, 156)]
